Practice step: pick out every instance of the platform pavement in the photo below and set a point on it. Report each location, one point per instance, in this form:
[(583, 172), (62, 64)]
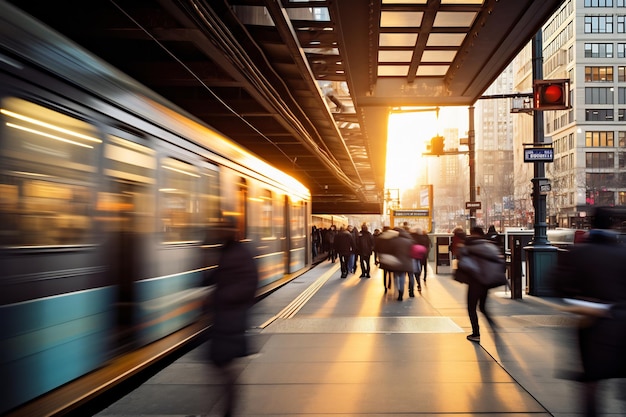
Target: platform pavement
[(337, 347)]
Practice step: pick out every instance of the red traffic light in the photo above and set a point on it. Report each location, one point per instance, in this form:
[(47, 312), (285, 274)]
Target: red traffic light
[(551, 94)]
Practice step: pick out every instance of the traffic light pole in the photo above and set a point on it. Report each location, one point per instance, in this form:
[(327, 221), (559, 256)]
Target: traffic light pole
[(472, 169), (540, 237), (540, 255)]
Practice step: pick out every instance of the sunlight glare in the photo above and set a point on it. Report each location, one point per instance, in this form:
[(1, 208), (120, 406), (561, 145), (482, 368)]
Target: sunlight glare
[(407, 136)]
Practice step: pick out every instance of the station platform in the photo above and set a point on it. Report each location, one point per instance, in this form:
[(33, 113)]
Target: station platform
[(333, 347)]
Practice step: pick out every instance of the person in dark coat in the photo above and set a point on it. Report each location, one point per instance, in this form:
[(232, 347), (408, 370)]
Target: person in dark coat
[(344, 246), (401, 246), (421, 238), (383, 250), (458, 240), (595, 272), (365, 247), (477, 246), (236, 280), (329, 240)]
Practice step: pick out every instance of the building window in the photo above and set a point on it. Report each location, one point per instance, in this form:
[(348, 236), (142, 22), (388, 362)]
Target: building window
[(599, 197), (599, 159), (621, 139), (621, 50), (593, 74), (621, 24), (621, 3), (600, 3), (621, 113), (598, 50), (599, 115), (621, 73), (598, 95), (596, 139), (621, 161), (599, 24)]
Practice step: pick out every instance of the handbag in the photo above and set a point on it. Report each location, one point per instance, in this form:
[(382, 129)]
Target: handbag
[(389, 261), (418, 251)]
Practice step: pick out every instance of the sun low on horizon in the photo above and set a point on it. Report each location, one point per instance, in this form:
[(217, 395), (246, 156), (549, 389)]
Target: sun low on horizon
[(407, 135)]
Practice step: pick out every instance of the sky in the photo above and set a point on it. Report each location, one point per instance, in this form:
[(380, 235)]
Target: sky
[(407, 136)]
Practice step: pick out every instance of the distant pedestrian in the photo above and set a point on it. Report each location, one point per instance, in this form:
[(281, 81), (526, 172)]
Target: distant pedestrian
[(421, 238), (375, 235), (458, 240), (353, 257), (344, 246), (401, 246), (386, 259), (481, 267), (329, 240), (236, 279), (592, 275), (364, 249)]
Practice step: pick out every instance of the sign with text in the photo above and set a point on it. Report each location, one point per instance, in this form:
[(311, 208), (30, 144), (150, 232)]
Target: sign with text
[(472, 205), (411, 213), (538, 154)]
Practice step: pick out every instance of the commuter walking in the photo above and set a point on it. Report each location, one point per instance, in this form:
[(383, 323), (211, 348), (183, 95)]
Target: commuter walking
[(401, 246), (344, 247), (329, 239), (375, 235), (595, 271), (236, 279), (481, 267), (365, 247), (385, 257), (458, 240), (353, 257), (421, 238)]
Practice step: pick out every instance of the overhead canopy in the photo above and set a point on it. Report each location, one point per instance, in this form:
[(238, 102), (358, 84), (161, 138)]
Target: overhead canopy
[(261, 71)]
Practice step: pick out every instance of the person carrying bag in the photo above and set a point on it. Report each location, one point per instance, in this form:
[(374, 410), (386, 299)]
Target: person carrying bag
[(481, 267)]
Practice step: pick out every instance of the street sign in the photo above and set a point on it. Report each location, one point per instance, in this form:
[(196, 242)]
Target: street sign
[(544, 188), (411, 213), (538, 154), (472, 205)]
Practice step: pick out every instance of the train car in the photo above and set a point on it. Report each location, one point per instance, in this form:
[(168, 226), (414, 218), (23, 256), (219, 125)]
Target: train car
[(324, 221), (107, 197)]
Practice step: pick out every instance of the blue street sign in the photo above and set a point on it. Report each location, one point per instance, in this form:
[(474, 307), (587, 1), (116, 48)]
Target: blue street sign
[(538, 154)]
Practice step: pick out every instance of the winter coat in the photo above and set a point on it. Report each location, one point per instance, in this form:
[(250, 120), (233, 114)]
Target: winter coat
[(344, 243), (400, 246), (483, 263), (596, 271), (236, 279), (383, 248), (365, 243)]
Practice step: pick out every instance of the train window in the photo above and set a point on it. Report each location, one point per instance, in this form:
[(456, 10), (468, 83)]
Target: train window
[(266, 214), (279, 216), (179, 201), (297, 219), (209, 198), (48, 162), (128, 201)]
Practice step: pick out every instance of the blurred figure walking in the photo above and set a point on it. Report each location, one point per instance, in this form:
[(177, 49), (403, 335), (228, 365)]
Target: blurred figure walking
[(344, 247), (592, 277), (236, 280), (365, 247), (481, 267)]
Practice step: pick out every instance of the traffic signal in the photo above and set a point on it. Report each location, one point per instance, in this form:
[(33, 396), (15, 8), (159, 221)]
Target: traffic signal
[(551, 94), (436, 145)]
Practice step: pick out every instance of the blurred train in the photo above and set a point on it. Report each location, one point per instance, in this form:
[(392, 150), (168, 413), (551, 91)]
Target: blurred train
[(107, 198), (324, 221)]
